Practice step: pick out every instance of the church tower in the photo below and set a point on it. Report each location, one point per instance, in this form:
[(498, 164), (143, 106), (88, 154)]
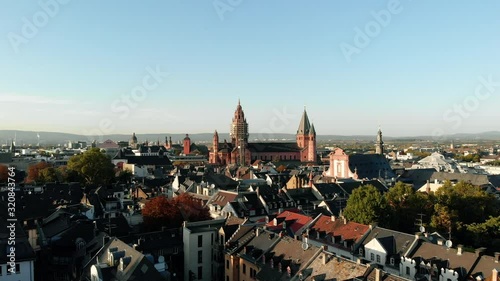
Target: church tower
[(379, 145), (187, 145), (215, 149), (303, 131), (133, 141), (239, 128), (311, 147)]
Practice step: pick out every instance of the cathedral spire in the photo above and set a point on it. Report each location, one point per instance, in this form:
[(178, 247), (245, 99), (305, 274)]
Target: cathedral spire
[(379, 144), (304, 125)]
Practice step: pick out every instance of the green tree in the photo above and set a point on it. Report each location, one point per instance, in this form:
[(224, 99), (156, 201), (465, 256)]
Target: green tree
[(404, 207), (125, 176), (486, 234), (460, 205), (49, 174), (366, 205), (93, 166)]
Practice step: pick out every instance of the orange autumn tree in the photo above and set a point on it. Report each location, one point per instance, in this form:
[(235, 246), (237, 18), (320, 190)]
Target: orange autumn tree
[(4, 173), (34, 171), (161, 211)]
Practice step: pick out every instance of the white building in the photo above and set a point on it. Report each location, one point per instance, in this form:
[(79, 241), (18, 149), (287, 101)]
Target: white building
[(200, 242), (438, 162)]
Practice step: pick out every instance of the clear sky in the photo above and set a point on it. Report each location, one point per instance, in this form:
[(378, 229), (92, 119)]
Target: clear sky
[(68, 67)]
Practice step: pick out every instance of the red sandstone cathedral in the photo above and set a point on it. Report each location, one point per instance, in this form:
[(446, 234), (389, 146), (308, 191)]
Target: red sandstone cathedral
[(240, 151)]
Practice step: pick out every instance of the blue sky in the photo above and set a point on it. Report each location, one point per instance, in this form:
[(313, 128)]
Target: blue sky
[(418, 67)]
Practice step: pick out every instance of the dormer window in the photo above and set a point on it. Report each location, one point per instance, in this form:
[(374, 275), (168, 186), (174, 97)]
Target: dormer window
[(392, 261), (361, 252)]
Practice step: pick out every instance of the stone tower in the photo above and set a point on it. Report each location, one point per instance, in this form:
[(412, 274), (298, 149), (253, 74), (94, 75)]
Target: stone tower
[(133, 141), (303, 131), (311, 147), (187, 145), (239, 128), (379, 144)]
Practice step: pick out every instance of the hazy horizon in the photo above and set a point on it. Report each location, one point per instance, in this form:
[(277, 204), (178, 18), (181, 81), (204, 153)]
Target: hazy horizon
[(414, 68)]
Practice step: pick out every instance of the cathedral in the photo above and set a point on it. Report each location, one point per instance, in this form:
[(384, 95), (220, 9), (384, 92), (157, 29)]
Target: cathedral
[(240, 151)]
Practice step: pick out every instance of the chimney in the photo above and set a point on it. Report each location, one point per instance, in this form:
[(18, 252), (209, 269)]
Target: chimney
[(257, 232), (494, 275), (428, 187), (460, 249), (480, 251), (440, 242), (378, 274), (497, 257), (418, 235), (324, 259), (345, 220), (333, 218)]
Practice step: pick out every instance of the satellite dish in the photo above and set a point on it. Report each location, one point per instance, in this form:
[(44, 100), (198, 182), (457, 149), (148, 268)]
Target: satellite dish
[(448, 243), (422, 229), (305, 246)]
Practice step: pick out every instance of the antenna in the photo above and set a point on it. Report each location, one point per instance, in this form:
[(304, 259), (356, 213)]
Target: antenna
[(448, 244), (305, 246), (420, 222)]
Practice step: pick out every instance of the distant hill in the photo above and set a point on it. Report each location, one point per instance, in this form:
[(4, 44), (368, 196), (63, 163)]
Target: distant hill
[(51, 138)]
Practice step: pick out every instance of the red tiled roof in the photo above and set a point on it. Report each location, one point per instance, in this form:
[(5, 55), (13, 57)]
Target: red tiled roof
[(349, 230), (294, 221), (221, 198)]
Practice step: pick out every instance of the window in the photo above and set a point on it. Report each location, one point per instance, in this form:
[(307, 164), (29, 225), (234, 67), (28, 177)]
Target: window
[(227, 264), (200, 241), (1, 267), (378, 258), (200, 273), (244, 269), (200, 256), (212, 239), (407, 270), (361, 251), (372, 257), (392, 261)]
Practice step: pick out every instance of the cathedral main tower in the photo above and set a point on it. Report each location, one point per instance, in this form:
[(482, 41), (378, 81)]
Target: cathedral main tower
[(239, 128)]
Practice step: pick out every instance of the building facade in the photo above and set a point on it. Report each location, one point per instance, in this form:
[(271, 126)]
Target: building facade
[(240, 151)]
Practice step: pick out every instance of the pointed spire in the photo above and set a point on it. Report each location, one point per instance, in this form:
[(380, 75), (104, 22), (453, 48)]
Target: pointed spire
[(312, 131), (304, 125)]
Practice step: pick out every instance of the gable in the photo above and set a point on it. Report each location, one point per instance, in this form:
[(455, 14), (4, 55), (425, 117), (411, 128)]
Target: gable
[(375, 245)]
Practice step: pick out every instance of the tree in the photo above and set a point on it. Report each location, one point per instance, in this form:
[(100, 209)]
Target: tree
[(460, 205), (4, 173), (161, 211), (486, 234), (34, 171), (366, 205), (125, 176), (93, 166), (49, 174)]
